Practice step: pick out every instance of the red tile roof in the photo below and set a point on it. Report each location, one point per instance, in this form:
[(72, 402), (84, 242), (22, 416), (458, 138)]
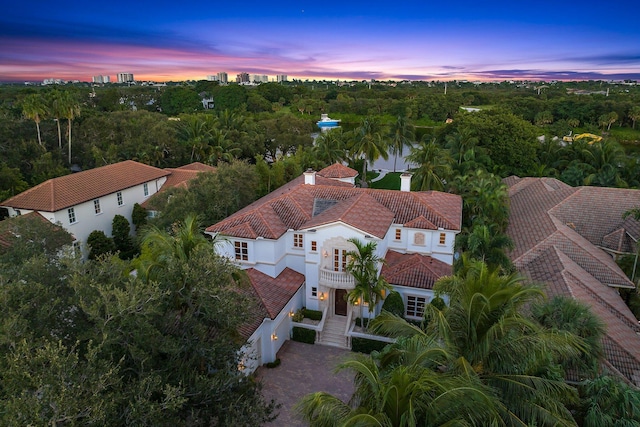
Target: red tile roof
[(179, 178), (337, 171), (292, 207), (413, 270), (8, 226), (556, 230), (272, 295), (69, 190), (197, 166)]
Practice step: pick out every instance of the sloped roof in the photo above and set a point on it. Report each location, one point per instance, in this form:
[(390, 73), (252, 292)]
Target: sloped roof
[(197, 166), (272, 295), (178, 178), (293, 205), (9, 225), (413, 270), (337, 171), (69, 190), (556, 231)]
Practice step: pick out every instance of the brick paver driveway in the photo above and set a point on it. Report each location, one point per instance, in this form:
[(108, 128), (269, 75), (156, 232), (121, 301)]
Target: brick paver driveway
[(305, 368)]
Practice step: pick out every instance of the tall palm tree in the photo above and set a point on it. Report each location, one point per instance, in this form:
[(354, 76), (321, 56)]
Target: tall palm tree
[(70, 109), (369, 143), (55, 102), (362, 263), (34, 108), (486, 243), (460, 142), (329, 146), (488, 337), (433, 165), (401, 136), (196, 130)]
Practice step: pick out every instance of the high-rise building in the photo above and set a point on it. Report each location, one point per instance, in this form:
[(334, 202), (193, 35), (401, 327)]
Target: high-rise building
[(125, 77), (223, 78), (281, 78), (259, 78), (242, 78), (212, 78), (101, 79)]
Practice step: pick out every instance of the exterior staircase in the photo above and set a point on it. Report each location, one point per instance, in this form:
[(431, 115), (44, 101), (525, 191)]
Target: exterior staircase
[(333, 332)]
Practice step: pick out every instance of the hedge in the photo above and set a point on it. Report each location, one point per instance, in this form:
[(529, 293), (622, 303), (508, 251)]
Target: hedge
[(304, 335), (312, 314), (393, 304), (365, 345)]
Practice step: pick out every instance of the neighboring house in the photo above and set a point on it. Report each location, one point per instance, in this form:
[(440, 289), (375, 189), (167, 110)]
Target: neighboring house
[(30, 227), (178, 178), (565, 237), (86, 201), (293, 243)]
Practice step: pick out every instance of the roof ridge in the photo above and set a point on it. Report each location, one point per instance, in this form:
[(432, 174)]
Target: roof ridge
[(432, 208)]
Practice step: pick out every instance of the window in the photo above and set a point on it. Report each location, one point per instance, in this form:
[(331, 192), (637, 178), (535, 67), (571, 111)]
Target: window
[(297, 240), (314, 246), (96, 206), (242, 251), (339, 260), (18, 213), (443, 239), (415, 306), (77, 252), (398, 234), (72, 215), (119, 196), (145, 187), (314, 292), (418, 239)]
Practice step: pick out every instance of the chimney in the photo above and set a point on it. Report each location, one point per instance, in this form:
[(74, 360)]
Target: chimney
[(405, 182), (310, 177)]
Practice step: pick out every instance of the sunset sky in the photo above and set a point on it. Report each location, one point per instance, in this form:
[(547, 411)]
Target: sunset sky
[(417, 40)]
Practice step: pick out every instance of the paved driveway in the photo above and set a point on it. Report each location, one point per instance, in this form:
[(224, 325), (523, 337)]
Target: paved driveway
[(305, 368)]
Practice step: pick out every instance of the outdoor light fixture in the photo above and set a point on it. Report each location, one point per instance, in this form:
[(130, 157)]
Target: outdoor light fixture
[(321, 296), (274, 337), (291, 313), (325, 253)]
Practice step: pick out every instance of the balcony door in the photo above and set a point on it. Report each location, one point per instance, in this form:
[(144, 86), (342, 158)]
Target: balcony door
[(340, 304), (340, 260)]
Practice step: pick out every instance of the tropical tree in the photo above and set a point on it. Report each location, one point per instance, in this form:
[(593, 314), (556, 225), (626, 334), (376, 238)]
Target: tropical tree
[(330, 146), (369, 143), (34, 107), (634, 115), (56, 111), (486, 199), (433, 166), (487, 336), (70, 109), (401, 135), (607, 401), (460, 142), (485, 242), (362, 263), (196, 132)]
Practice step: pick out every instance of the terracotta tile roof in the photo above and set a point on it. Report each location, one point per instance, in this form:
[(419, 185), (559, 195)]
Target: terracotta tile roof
[(556, 230), (356, 211), (338, 170), (69, 190), (413, 270), (272, 295), (199, 167), (292, 207)]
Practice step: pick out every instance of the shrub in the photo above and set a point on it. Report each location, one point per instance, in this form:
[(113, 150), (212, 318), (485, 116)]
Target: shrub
[(298, 316), (366, 346), (394, 304), (438, 303), (273, 364), (139, 216), (99, 244), (304, 335), (312, 314)]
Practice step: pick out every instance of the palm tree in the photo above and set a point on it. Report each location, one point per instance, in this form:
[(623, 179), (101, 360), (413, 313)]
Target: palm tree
[(55, 101), (433, 165), (329, 146), (401, 135), (404, 396), (610, 402), (196, 130), (460, 142), (363, 263), (634, 115), (160, 248), (489, 338), (369, 143), (70, 109), (486, 243), (34, 108), (486, 199)]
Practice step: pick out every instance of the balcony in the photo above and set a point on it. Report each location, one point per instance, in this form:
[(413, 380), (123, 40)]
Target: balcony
[(336, 279)]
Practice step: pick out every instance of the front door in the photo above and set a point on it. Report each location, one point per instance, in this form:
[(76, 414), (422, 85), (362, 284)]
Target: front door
[(341, 302)]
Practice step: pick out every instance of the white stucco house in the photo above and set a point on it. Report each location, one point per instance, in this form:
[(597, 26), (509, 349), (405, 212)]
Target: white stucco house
[(293, 243), (86, 201)]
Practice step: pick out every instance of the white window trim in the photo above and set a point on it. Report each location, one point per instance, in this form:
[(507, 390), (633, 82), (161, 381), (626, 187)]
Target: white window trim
[(300, 245), (145, 189), (97, 207), (119, 198), (72, 212), (406, 305)]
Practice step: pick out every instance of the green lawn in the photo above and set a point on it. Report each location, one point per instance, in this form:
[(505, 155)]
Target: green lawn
[(391, 181)]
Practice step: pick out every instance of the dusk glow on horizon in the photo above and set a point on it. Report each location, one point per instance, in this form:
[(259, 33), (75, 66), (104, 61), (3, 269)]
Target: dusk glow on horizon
[(188, 40)]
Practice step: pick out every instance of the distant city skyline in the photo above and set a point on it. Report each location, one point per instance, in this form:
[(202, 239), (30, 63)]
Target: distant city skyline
[(164, 41)]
